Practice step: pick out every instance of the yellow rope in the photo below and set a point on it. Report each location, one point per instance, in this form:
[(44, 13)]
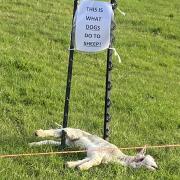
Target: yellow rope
[(81, 151)]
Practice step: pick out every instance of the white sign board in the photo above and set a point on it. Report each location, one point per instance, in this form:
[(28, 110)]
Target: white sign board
[(93, 25)]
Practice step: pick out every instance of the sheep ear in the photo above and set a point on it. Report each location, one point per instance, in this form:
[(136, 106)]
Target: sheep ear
[(143, 151), (141, 155)]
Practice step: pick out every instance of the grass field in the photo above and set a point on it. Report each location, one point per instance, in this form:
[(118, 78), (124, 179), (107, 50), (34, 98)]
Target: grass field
[(34, 38)]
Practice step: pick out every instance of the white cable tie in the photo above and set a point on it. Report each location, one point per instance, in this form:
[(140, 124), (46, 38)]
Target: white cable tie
[(69, 49), (58, 125), (121, 12), (116, 54)]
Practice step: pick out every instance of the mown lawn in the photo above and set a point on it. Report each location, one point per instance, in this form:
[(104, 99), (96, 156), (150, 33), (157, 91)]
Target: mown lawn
[(34, 38)]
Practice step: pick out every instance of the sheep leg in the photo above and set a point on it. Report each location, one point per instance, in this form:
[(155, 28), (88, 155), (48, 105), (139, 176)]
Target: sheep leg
[(92, 162), (49, 133), (49, 142), (73, 164)]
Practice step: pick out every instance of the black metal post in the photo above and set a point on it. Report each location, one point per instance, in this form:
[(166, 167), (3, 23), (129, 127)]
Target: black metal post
[(69, 78), (107, 116)]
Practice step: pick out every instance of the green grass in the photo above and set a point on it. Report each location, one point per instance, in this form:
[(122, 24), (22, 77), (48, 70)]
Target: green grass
[(34, 38)]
